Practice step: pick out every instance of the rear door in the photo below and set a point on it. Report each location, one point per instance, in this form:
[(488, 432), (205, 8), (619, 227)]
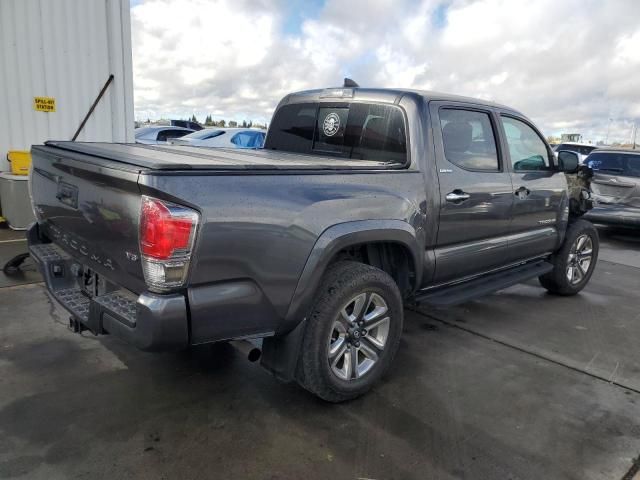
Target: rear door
[(539, 190), (475, 189)]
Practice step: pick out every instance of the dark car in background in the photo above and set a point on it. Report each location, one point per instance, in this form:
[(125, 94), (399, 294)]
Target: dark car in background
[(186, 124), (615, 186)]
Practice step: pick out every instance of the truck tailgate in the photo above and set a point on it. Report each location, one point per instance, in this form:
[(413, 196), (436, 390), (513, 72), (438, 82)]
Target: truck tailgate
[(91, 210)]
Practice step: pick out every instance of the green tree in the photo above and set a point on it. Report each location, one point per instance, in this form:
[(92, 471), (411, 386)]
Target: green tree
[(250, 124), (233, 124), (221, 123), (194, 119), (244, 124)]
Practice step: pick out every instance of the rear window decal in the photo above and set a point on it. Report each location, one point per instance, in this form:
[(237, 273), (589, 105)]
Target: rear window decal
[(331, 124)]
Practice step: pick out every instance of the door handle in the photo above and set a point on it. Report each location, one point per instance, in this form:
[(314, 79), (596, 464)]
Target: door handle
[(522, 193), (457, 196)]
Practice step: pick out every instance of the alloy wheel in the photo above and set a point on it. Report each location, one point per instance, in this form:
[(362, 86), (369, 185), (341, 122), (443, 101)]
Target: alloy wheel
[(358, 336), (579, 261)]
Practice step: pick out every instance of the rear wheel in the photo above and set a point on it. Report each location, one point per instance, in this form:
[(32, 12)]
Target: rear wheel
[(353, 332), (575, 261)]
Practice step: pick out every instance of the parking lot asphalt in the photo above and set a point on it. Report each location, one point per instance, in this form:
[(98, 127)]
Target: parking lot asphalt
[(519, 385)]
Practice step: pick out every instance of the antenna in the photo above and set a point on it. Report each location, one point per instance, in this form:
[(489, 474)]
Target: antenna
[(350, 83)]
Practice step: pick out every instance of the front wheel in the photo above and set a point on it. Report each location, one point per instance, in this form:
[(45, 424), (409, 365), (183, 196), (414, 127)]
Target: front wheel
[(575, 261), (353, 332)]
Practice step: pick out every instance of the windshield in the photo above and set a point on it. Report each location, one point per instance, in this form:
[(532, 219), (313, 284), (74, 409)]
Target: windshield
[(204, 134), (625, 164), (143, 131), (248, 139), (581, 149), (357, 131)]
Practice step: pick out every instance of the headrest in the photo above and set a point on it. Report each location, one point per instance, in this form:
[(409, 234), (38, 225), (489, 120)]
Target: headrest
[(457, 136)]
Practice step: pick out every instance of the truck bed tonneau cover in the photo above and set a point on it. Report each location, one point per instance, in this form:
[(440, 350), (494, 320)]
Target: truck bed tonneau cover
[(178, 157)]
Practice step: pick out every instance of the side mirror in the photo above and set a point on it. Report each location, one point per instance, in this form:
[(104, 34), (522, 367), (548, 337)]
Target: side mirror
[(568, 161)]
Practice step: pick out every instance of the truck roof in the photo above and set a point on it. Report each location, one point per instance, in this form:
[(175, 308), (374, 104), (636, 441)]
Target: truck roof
[(384, 95), (616, 150)]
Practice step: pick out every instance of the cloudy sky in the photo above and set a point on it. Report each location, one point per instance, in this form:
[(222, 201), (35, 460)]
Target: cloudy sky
[(570, 65)]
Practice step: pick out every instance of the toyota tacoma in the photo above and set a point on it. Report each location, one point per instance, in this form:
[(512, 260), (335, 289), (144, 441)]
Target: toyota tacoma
[(361, 201)]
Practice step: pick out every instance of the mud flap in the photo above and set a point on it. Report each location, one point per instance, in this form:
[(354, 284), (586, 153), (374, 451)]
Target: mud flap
[(280, 353)]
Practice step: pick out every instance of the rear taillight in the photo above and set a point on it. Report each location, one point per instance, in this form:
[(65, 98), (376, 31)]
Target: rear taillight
[(167, 233)]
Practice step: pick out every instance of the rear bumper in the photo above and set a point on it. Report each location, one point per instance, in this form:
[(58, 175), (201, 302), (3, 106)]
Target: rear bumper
[(614, 215), (156, 322), (150, 322)]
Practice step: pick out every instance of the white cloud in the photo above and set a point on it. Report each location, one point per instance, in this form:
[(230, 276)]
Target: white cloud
[(567, 65), (628, 49)]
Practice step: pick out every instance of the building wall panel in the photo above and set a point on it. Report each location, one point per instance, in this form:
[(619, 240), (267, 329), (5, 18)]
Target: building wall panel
[(64, 49)]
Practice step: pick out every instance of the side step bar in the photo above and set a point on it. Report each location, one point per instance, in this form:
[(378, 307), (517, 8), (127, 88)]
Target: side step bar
[(448, 296)]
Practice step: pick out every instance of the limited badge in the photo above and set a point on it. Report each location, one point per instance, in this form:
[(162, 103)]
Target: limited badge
[(331, 124)]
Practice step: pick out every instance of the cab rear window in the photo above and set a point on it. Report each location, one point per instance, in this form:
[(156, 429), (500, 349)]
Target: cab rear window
[(356, 131)]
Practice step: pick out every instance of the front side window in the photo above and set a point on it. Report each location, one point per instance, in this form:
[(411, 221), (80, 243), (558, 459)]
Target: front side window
[(468, 139), (350, 130), (527, 150)]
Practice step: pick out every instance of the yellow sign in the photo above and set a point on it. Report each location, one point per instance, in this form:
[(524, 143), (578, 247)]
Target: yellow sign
[(44, 104)]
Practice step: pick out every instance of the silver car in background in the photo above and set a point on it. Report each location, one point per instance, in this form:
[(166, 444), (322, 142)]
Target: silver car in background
[(160, 134), (615, 187), (224, 137)]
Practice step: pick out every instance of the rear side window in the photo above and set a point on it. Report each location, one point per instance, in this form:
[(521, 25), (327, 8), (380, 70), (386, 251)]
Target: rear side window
[(468, 138), (357, 130), (614, 163)]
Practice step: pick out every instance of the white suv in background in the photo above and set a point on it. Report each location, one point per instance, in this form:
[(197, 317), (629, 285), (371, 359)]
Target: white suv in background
[(582, 149)]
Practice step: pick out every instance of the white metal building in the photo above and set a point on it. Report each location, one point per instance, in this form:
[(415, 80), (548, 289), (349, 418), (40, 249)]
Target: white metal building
[(64, 50)]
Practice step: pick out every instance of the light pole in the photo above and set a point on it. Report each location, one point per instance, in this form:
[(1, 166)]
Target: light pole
[(606, 142)]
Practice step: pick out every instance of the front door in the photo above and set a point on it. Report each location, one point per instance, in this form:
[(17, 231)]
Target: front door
[(475, 189), (539, 191)]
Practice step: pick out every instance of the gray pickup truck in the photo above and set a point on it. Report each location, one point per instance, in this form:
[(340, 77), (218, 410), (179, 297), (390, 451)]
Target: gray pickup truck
[(362, 200)]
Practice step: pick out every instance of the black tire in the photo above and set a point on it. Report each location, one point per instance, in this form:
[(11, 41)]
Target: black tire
[(557, 280), (343, 282)]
